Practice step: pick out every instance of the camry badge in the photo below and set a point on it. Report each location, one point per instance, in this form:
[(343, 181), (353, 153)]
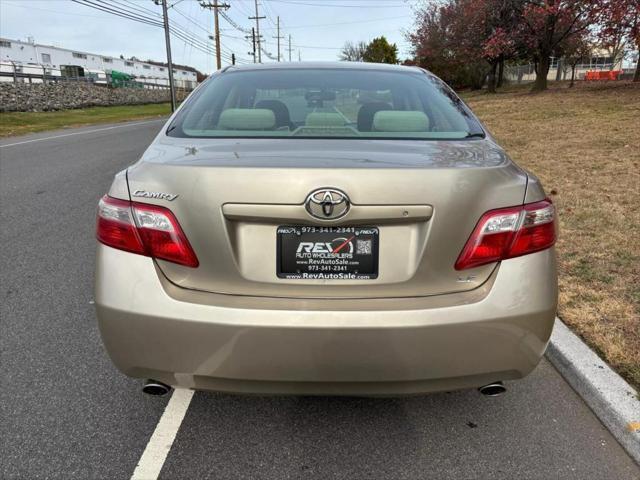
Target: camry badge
[(327, 204), (159, 195)]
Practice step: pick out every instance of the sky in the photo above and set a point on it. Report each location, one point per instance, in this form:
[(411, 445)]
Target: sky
[(318, 28)]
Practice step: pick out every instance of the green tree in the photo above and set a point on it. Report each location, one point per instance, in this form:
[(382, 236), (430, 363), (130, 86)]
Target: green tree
[(380, 50)]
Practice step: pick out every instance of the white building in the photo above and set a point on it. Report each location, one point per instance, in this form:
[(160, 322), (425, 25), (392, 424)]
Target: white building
[(31, 53)]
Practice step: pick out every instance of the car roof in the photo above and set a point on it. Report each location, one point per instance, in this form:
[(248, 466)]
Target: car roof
[(322, 65)]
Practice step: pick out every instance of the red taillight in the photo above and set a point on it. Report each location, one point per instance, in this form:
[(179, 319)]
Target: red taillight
[(144, 229), (509, 232), (115, 226)]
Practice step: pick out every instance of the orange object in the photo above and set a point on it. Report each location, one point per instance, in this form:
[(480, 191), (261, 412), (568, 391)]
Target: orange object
[(602, 75)]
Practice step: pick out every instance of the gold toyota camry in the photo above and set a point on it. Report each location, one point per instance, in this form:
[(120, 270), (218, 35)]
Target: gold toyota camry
[(325, 229)]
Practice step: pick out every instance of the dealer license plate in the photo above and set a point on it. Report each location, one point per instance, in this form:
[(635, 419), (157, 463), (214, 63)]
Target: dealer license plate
[(327, 253)]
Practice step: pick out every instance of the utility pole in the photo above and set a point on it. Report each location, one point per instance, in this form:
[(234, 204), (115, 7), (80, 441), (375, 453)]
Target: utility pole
[(257, 18), (290, 49), (165, 16), (215, 6), (253, 43), (278, 36), (233, 59)]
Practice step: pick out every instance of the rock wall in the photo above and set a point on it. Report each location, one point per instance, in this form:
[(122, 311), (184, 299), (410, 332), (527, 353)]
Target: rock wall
[(38, 97)]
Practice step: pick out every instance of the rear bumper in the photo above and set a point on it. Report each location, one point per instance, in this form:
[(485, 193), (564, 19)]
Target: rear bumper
[(154, 329)]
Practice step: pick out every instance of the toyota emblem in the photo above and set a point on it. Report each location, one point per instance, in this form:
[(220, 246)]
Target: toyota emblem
[(327, 204)]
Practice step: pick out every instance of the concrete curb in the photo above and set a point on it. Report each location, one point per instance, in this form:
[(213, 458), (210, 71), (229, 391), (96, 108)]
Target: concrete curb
[(611, 398)]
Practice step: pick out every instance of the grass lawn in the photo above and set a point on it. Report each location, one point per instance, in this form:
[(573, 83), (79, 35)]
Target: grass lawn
[(584, 144), (21, 123)]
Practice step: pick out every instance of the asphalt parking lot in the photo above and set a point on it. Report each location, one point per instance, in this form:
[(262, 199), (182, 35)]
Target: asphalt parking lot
[(67, 413)]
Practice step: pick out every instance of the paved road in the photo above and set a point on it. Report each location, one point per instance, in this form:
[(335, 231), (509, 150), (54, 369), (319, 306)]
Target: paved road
[(67, 413)]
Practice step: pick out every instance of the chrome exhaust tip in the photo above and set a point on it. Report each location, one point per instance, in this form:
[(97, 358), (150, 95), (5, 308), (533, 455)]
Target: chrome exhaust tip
[(155, 388), (494, 389)]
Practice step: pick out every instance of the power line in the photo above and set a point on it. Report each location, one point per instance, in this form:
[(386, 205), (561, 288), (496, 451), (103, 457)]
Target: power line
[(165, 21), (229, 51), (30, 7), (244, 10), (278, 37), (315, 47), (257, 18), (332, 5), (268, 54), (253, 44), (130, 4), (270, 12), (189, 19), (105, 7), (197, 43), (188, 29), (175, 24), (114, 10), (134, 16), (226, 35), (177, 31), (237, 27), (90, 4), (215, 6), (343, 23), (177, 2), (233, 23), (201, 45), (261, 48)]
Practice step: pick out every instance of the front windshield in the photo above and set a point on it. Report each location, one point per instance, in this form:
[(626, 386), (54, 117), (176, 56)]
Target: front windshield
[(325, 103)]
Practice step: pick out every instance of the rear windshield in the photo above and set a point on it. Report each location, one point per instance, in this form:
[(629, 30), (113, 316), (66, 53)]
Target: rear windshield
[(325, 103)]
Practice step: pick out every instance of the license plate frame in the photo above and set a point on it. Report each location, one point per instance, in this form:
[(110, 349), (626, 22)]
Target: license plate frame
[(327, 253)]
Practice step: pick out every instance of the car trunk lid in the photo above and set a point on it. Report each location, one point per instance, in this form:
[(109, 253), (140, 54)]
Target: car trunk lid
[(424, 199)]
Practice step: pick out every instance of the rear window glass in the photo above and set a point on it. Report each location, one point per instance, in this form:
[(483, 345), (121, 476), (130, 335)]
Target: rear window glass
[(325, 103)]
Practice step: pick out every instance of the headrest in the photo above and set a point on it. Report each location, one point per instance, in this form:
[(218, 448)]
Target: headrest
[(324, 119), (247, 119), (366, 113), (279, 109), (400, 121)]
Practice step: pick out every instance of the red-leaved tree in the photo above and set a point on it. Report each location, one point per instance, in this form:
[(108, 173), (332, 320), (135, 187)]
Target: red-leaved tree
[(576, 49), (620, 27), (500, 41), (547, 23), (464, 40), (442, 44)]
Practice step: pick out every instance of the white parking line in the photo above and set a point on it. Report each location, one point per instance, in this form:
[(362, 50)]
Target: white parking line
[(159, 445), (82, 133)]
